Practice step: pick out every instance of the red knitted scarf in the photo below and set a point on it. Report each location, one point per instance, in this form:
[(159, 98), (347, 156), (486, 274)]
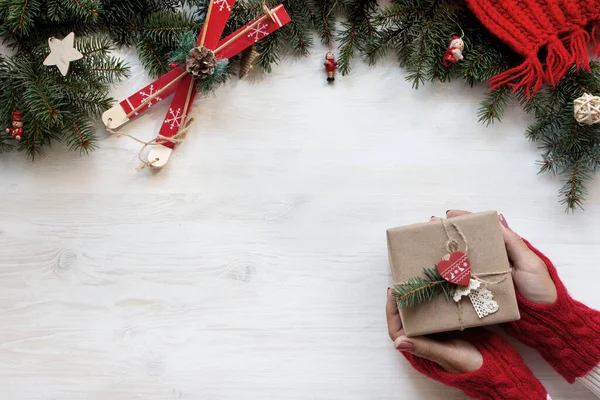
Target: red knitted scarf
[(528, 26)]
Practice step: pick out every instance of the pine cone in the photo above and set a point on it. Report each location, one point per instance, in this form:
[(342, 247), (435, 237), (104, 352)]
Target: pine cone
[(200, 62)]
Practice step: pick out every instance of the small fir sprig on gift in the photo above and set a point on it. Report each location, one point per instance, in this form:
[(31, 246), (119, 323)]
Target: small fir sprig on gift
[(419, 290)]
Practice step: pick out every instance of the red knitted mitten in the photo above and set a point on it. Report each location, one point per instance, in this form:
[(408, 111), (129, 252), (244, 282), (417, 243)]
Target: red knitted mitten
[(503, 374), (566, 333)]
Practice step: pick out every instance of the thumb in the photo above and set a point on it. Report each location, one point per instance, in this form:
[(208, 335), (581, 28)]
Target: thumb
[(423, 347), (517, 250)]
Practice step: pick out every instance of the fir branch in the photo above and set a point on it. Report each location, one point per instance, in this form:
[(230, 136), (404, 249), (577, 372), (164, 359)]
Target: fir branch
[(81, 136), (20, 16), (574, 190), (85, 9), (186, 42), (153, 57), (296, 31), (5, 143), (33, 138), (492, 108), (124, 20), (356, 32), (219, 76), (56, 107), (269, 49), (325, 17), (553, 163), (305, 8), (419, 58), (594, 154), (94, 45), (482, 62), (382, 41), (108, 69), (165, 28), (419, 290)]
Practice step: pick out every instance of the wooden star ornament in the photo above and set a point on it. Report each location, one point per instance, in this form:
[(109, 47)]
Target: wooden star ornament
[(62, 52)]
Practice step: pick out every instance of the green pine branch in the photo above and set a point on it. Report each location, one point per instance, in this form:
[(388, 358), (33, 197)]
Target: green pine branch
[(493, 106), (325, 13), (297, 31), (574, 191), (207, 85), (57, 108), (356, 31), (419, 290), (18, 16)]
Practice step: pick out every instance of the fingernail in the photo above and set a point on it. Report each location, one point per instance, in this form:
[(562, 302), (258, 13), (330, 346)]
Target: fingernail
[(503, 220), (447, 211), (404, 346)]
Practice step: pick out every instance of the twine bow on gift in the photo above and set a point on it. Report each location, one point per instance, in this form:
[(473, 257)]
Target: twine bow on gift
[(481, 298), (452, 246)]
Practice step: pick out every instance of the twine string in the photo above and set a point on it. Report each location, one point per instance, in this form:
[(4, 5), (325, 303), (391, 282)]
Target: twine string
[(452, 246), (462, 33), (158, 140), (461, 321)]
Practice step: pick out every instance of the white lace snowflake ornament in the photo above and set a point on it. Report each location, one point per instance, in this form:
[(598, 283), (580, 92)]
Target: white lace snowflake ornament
[(481, 298)]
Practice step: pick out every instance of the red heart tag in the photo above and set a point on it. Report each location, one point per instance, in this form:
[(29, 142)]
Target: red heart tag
[(457, 269)]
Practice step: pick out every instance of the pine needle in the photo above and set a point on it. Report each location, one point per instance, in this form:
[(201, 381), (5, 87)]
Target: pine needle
[(419, 290)]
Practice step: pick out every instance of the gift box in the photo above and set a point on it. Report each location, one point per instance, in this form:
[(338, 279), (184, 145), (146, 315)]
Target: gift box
[(478, 238)]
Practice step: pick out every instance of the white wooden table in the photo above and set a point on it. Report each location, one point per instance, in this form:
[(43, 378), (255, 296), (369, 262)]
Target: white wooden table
[(255, 265)]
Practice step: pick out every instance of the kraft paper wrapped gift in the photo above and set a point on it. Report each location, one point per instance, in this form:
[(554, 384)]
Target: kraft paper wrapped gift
[(415, 247)]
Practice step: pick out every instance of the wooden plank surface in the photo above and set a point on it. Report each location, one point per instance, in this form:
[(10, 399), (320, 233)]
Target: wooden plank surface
[(254, 265)]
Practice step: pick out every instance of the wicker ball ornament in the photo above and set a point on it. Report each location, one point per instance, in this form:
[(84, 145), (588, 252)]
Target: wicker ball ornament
[(200, 62), (587, 109)]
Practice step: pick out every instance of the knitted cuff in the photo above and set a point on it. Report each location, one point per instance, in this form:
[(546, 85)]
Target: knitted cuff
[(503, 374), (566, 332), (592, 380)]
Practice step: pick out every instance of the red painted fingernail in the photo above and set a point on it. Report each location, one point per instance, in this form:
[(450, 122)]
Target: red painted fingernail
[(503, 220), (405, 346)]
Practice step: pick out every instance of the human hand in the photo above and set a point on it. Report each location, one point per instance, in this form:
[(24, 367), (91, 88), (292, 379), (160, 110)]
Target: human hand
[(530, 274), (453, 355), (480, 363)]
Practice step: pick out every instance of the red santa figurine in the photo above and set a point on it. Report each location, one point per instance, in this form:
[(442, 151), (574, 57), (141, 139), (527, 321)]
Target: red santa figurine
[(17, 125), (330, 66), (454, 51)]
